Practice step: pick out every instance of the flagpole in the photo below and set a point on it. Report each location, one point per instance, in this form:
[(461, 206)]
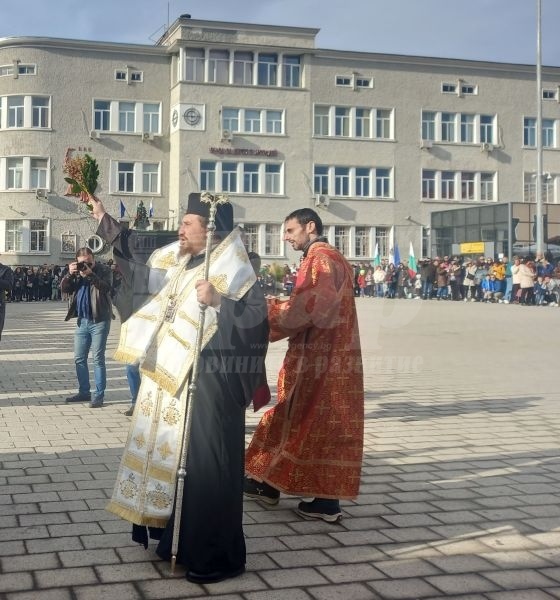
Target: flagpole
[(539, 245)]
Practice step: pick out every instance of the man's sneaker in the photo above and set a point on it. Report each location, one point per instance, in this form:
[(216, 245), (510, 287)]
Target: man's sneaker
[(96, 403), (260, 491), (320, 508), (129, 412), (79, 398)]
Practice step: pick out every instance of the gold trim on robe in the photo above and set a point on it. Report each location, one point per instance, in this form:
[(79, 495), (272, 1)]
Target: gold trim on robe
[(145, 488)]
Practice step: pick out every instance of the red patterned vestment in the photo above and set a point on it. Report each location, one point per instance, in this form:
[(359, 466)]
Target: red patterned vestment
[(311, 443)]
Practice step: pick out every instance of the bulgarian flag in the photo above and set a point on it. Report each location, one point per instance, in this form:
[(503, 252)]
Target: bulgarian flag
[(412, 267), (376, 257)]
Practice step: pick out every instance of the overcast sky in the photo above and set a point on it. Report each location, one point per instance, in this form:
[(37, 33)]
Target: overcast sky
[(500, 30)]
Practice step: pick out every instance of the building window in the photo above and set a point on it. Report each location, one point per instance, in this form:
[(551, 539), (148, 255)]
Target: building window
[(101, 115), (230, 119), (363, 182), (383, 124), (321, 120), (272, 240), (267, 69), (120, 75), (529, 132), (468, 89), (194, 64), (428, 184), (150, 178), (243, 68), (342, 121), (382, 241), (428, 125), (251, 237), (39, 171), (9, 70), (486, 129), (136, 76), (127, 117), (364, 82), (38, 235), (40, 111), (14, 236), (252, 121), (342, 239), (447, 185), (447, 127), (549, 94), (342, 80), (321, 179), (382, 183), (487, 187), (341, 181), (548, 136), (467, 129), (291, 69), (362, 247), (363, 122), (15, 173), (229, 177), (273, 179), (15, 111), (137, 177), (218, 66), (274, 122), (208, 176), (250, 178), (467, 186), (125, 171), (151, 118), (449, 88)]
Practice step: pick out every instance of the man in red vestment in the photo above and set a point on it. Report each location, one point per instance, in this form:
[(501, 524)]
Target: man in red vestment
[(311, 443)]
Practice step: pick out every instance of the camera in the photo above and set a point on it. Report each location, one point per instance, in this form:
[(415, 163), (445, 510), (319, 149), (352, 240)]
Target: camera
[(82, 266)]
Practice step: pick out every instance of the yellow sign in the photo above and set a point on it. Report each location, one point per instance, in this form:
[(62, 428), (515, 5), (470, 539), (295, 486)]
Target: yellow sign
[(472, 248)]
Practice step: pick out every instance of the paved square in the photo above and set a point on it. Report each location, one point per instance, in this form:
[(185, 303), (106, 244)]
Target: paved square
[(460, 484)]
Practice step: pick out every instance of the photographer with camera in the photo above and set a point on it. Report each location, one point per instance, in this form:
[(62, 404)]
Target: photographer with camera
[(89, 285)]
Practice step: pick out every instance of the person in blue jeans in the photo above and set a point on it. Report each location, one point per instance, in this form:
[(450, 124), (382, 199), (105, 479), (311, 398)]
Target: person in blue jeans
[(89, 285)]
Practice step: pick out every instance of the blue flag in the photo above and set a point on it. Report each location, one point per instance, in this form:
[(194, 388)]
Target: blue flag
[(151, 211), (123, 209), (397, 255)]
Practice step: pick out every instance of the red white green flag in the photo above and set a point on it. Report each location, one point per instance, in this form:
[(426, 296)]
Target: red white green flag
[(412, 266)]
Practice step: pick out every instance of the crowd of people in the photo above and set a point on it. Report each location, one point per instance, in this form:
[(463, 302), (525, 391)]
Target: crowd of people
[(42, 283), (523, 280)]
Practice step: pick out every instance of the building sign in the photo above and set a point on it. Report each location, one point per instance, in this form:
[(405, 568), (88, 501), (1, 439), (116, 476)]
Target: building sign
[(472, 248), (243, 151)]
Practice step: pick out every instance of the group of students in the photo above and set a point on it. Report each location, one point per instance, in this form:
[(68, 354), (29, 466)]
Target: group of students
[(527, 281)]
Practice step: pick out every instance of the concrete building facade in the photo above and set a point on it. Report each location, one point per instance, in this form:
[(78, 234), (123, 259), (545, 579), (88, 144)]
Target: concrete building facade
[(376, 142)]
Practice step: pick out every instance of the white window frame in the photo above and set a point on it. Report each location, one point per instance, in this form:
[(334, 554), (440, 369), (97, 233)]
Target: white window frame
[(134, 177)]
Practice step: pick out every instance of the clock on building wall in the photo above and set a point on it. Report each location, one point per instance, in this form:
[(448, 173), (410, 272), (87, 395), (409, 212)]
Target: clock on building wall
[(175, 118), (192, 116)]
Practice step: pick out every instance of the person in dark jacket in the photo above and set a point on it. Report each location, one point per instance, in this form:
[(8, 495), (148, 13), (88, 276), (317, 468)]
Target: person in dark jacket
[(89, 284), (6, 282)]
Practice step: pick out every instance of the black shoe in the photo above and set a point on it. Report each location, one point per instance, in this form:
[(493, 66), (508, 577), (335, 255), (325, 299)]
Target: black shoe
[(260, 491), (320, 508), (129, 412), (79, 398), (214, 576), (96, 403)]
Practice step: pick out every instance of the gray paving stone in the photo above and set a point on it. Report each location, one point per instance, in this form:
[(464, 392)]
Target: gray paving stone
[(291, 593), (121, 591), (403, 589), (520, 579), (66, 577), (350, 572), (55, 594), (300, 577), (461, 583), (356, 591)]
